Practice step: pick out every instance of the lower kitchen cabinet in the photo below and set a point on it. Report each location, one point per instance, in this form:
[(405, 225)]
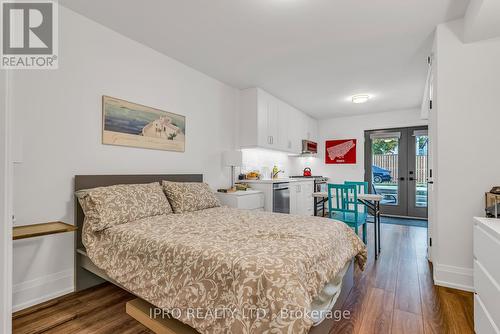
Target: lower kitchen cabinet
[(301, 199)]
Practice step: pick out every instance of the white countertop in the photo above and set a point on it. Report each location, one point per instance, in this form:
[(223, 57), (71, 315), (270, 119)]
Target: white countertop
[(240, 192), (366, 197), (491, 224), (284, 179)]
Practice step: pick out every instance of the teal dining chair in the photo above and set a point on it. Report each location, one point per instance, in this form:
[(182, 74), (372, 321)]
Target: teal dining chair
[(361, 188), (343, 205)]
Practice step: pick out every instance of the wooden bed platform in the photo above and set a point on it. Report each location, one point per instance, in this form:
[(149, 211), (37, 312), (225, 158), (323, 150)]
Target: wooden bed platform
[(140, 310)]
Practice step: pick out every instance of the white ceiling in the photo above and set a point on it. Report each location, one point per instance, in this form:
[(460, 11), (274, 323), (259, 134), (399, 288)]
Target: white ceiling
[(314, 54)]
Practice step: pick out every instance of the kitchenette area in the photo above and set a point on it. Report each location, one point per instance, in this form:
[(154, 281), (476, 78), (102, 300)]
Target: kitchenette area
[(273, 137), (292, 195)]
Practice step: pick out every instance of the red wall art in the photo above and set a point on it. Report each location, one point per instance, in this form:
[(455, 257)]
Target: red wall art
[(340, 151)]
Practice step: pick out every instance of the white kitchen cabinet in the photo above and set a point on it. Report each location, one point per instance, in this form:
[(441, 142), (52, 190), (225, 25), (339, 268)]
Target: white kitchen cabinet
[(295, 137), (284, 113), (268, 122), (301, 199), (264, 111), (312, 129)]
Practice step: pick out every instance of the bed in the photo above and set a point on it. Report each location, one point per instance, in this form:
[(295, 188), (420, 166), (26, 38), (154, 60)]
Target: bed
[(222, 269)]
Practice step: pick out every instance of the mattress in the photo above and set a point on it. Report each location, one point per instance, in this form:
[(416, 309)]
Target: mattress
[(225, 270)]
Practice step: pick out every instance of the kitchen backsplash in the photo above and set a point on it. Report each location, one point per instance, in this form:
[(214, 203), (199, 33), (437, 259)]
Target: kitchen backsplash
[(261, 160)]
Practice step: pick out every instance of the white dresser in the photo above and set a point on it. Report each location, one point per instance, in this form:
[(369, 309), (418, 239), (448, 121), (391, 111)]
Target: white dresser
[(249, 199), (487, 275)]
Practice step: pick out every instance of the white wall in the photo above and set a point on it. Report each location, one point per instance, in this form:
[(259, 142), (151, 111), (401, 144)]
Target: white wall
[(352, 128), (5, 207), (467, 161), (262, 160), (58, 117)]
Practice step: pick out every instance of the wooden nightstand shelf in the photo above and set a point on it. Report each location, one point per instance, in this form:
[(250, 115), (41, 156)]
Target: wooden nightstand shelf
[(36, 230)]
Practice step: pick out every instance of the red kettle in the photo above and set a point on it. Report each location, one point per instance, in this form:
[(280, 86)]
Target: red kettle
[(307, 171)]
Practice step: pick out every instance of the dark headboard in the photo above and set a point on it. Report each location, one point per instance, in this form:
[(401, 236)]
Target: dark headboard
[(86, 273), (93, 181)]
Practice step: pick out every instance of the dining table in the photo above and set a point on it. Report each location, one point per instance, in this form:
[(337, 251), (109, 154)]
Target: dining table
[(371, 201)]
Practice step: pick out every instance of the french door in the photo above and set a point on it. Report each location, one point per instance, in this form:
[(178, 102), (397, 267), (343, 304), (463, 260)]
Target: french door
[(396, 168)]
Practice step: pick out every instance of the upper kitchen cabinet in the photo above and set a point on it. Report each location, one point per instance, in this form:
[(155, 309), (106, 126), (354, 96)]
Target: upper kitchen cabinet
[(312, 129), (268, 122)]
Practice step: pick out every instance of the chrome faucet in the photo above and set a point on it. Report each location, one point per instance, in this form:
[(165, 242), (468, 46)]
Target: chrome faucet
[(275, 175)]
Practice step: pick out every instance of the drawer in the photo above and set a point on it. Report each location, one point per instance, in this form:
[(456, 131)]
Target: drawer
[(488, 291), (482, 319), (486, 250), (250, 202)]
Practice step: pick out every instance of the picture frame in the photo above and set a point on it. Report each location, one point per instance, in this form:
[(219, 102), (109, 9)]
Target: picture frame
[(340, 151), (131, 124)]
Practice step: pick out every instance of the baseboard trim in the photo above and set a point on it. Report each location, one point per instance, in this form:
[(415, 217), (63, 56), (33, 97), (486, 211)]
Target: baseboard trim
[(42, 289), (454, 277)]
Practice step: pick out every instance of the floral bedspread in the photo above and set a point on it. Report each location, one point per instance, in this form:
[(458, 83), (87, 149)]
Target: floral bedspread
[(224, 270)]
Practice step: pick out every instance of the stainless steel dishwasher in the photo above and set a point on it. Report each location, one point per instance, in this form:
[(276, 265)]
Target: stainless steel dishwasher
[(281, 197)]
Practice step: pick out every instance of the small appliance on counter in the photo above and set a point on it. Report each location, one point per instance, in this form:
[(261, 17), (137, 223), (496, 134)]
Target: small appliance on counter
[(254, 175), (307, 171), (492, 203)]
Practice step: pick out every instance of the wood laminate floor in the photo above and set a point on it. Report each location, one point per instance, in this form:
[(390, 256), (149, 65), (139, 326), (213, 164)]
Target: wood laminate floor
[(394, 294)]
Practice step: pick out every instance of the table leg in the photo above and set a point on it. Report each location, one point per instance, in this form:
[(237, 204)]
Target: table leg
[(375, 231), (315, 206), (379, 232)]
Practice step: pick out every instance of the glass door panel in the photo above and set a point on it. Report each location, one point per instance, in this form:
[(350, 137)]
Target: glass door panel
[(417, 178), (421, 171), (385, 155)]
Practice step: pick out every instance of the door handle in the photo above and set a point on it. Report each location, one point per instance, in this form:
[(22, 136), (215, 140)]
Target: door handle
[(401, 178), (411, 179)]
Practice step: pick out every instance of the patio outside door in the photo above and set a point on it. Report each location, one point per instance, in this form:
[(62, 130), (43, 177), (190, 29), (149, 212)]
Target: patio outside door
[(396, 167)]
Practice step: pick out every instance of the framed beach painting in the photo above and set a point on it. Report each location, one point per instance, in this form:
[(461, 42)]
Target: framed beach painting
[(131, 124)]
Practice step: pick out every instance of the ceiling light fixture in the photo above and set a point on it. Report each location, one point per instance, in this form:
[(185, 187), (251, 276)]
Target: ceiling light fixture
[(361, 98)]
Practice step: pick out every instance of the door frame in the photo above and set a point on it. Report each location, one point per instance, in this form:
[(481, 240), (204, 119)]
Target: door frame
[(5, 205), (403, 182)]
